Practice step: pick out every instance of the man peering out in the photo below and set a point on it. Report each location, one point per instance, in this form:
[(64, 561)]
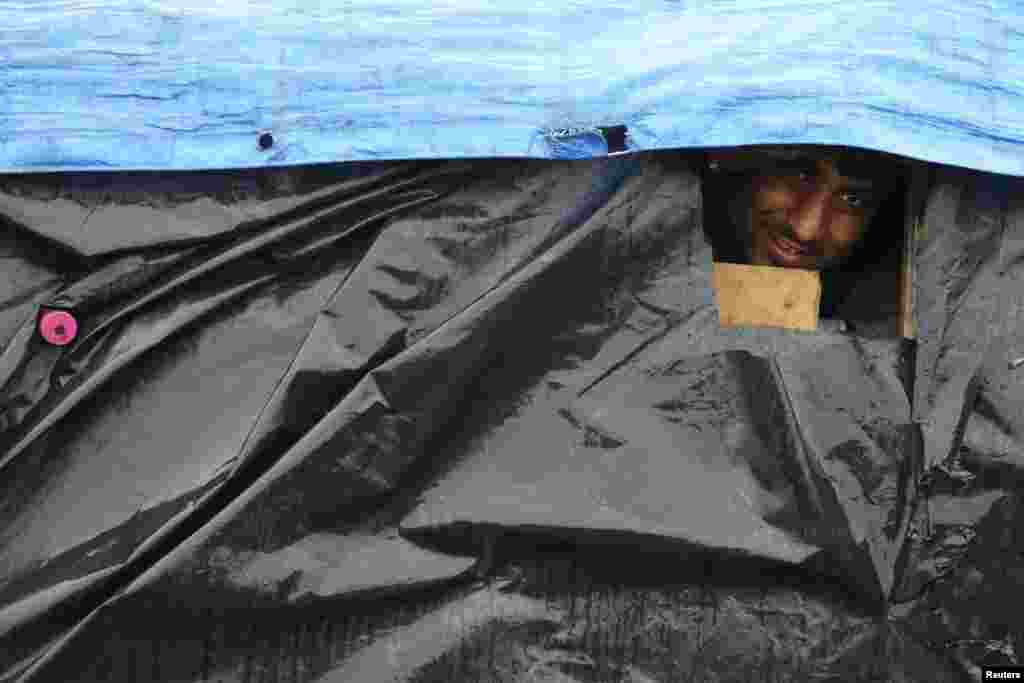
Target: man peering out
[(835, 210)]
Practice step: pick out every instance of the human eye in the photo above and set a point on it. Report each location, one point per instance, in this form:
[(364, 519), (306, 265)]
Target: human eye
[(858, 201), (851, 199)]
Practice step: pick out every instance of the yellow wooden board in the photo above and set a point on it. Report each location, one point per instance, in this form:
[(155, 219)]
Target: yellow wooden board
[(915, 207), (763, 296)]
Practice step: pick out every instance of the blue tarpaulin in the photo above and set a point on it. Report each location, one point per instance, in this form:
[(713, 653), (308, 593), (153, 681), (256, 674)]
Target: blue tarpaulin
[(184, 84)]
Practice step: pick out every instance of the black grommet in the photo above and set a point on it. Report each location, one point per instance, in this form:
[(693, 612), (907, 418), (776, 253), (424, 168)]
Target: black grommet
[(615, 137), (266, 141)]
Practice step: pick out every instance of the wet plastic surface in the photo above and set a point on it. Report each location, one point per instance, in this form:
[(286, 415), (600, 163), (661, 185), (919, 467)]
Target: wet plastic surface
[(476, 421)]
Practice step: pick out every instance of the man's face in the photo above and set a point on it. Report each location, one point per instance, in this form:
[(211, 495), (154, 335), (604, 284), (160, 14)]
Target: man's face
[(809, 210)]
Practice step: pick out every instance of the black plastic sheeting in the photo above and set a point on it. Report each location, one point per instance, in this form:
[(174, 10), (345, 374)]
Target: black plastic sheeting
[(476, 421)]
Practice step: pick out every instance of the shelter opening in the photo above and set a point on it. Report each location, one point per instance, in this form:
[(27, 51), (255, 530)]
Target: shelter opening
[(806, 232)]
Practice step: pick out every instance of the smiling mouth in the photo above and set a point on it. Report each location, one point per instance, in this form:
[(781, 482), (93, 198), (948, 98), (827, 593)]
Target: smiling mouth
[(788, 253)]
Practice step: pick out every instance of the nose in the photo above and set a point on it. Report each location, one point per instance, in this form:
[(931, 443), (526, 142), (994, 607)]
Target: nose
[(809, 217)]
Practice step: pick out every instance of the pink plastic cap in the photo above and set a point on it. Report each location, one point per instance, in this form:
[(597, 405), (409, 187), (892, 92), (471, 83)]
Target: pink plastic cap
[(58, 327)]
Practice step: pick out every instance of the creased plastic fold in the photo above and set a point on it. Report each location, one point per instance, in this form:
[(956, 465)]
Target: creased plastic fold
[(477, 420)]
